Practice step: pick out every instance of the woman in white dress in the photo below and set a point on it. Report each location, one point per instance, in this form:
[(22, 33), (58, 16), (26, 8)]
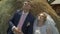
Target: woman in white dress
[(44, 24)]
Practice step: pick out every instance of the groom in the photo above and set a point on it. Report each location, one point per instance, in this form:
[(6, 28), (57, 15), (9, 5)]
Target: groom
[(22, 21)]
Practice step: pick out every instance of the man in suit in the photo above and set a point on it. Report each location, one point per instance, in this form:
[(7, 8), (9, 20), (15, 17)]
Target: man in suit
[(22, 21)]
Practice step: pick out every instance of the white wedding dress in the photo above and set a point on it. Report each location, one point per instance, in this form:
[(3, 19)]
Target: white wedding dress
[(49, 22)]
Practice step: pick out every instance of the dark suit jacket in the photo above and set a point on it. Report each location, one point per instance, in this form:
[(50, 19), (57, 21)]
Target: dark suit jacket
[(25, 29)]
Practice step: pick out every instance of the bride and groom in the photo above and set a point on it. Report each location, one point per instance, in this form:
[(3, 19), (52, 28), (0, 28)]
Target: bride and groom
[(23, 22)]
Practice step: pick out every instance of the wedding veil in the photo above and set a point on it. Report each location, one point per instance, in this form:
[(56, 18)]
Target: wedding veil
[(49, 22)]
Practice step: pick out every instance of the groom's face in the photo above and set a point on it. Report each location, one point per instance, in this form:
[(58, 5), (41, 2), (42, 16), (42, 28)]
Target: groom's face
[(26, 6)]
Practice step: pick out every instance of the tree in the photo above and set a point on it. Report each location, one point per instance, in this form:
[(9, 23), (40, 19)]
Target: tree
[(6, 8)]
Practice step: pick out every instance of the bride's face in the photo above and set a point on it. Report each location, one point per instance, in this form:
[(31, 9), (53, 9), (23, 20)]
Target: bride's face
[(41, 17)]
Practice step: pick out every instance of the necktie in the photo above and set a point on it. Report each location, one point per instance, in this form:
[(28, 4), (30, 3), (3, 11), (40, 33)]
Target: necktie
[(21, 21)]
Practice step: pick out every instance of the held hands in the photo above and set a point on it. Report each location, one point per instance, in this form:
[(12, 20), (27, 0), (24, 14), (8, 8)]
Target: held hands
[(17, 31)]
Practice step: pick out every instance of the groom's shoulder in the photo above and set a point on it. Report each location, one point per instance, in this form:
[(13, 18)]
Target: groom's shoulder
[(18, 11)]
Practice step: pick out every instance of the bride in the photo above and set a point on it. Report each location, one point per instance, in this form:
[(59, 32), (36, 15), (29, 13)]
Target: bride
[(44, 24)]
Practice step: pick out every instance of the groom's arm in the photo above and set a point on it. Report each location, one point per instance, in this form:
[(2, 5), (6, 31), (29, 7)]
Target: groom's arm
[(11, 22)]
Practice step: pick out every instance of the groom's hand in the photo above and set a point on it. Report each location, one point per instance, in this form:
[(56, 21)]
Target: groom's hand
[(17, 31)]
